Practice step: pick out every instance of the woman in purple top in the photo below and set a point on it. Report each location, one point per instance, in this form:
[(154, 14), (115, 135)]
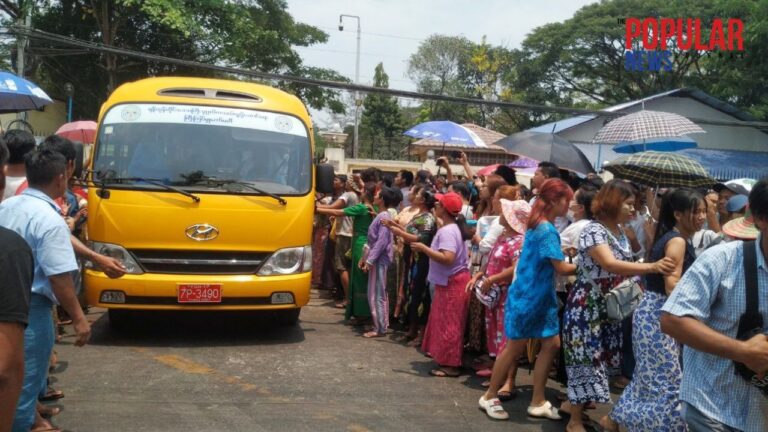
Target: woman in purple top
[(376, 262), (448, 272)]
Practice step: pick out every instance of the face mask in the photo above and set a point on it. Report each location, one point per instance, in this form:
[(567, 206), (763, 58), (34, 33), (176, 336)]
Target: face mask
[(570, 215)]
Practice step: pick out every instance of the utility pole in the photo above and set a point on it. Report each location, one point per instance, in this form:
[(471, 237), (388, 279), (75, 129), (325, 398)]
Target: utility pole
[(25, 20), (358, 102)]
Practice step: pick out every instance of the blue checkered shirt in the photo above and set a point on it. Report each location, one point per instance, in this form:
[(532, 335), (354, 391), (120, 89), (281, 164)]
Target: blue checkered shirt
[(713, 291)]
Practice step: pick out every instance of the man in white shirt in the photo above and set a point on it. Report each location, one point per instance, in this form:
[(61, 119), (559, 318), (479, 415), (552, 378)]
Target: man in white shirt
[(19, 143)]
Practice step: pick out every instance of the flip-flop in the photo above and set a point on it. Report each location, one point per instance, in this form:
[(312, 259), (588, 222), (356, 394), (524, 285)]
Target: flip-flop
[(52, 395), (442, 373), (373, 334), (48, 412), (484, 373)]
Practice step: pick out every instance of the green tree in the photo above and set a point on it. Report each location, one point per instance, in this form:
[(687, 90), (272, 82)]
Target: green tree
[(381, 121), (581, 60), (248, 34), (438, 67)]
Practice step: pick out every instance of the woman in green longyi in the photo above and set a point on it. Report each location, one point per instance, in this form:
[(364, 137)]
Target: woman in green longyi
[(362, 215)]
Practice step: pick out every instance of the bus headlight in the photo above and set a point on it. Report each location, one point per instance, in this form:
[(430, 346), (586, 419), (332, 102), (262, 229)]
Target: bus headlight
[(114, 251), (288, 261)]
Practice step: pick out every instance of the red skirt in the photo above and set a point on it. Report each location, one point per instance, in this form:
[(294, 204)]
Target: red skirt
[(444, 335)]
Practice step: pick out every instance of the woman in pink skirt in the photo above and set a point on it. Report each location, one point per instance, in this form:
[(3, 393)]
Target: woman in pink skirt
[(444, 335), (499, 271)]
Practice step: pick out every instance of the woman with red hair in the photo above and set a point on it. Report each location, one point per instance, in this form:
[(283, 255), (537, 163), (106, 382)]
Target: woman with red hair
[(531, 308)]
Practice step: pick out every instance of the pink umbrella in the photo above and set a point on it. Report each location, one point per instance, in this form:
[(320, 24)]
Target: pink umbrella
[(485, 171), (83, 131)]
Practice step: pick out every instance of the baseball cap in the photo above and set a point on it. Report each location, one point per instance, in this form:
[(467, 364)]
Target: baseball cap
[(451, 202), (742, 186), (737, 203)]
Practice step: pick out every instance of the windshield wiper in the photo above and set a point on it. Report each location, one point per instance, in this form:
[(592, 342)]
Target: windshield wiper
[(155, 182), (225, 182)]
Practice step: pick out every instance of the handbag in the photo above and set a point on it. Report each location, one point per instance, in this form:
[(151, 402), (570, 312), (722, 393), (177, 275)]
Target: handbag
[(489, 299), (621, 300), (751, 321)]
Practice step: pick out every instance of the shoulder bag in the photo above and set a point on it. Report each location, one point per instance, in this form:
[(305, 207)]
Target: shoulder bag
[(751, 322), (621, 300)]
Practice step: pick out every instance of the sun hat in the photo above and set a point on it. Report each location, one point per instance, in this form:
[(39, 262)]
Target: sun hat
[(351, 183), (737, 203), (742, 228), (742, 186), (516, 214), (451, 202)]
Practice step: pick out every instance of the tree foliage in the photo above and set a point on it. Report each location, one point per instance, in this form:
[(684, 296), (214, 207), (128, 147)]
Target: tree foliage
[(249, 34)]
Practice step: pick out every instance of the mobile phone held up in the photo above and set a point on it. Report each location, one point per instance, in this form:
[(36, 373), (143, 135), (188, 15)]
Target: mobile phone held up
[(455, 155)]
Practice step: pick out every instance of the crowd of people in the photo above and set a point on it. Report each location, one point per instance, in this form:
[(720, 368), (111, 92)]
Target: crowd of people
[(595, 284), (41, 220)]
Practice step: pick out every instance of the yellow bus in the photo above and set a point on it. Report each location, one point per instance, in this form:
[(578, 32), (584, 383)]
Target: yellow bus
[(205, 190)]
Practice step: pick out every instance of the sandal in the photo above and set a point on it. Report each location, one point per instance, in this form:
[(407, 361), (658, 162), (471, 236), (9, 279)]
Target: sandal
[(484, 373), (442, 373), (544, 411), (373, 334), (52, 394), (493, 408), (48, 412)]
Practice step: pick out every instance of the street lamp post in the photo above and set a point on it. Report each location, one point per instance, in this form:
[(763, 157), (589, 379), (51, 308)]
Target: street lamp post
[(69, 89), (355, 143)]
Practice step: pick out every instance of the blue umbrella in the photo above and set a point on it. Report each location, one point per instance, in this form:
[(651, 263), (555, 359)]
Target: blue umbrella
[(446, 132), (663, 144), (18, 94)]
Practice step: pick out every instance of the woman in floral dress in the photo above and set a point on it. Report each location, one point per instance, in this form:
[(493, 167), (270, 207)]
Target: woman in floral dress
[(421, 228), (651, 402), (499, 270), (591, 342)]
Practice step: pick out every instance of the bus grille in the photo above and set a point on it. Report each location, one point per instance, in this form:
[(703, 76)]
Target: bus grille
[(199, 262)]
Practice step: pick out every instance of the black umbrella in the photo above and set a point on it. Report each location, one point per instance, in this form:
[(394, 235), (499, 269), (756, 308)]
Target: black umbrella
[(547, 147)]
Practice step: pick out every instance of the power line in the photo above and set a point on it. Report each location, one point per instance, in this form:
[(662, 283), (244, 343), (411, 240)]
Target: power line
[(52, 37)]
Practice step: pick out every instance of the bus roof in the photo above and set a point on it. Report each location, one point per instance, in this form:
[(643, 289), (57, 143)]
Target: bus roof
[(206, 91)]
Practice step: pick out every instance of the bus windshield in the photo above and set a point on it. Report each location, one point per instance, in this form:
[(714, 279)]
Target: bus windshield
[(203, 148)]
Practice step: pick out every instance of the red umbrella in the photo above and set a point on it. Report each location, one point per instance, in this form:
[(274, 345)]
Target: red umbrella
[(83, 131), (485, 171)]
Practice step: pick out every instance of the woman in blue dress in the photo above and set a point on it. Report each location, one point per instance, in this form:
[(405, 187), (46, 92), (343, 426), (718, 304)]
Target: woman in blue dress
[(651, 402), (531, 308)]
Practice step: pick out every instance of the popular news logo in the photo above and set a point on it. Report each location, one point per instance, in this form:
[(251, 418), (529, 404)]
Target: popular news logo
[(656, 35)]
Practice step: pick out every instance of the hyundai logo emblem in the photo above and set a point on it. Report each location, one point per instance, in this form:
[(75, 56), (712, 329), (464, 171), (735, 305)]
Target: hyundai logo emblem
[(202, 232)]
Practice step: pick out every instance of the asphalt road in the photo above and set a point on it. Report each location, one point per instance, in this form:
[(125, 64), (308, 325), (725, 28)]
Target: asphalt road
[(210, 372)]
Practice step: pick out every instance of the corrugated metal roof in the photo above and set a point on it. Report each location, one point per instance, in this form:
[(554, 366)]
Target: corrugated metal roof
[(694, 93)]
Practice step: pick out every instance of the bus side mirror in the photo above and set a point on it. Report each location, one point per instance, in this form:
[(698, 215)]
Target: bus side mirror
[(324, 178), (79, 159)]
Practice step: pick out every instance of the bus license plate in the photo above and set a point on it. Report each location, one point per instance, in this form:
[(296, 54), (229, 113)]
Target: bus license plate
[(199, 293)]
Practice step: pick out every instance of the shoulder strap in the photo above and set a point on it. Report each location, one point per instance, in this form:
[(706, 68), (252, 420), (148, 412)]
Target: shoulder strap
[(750, 275)]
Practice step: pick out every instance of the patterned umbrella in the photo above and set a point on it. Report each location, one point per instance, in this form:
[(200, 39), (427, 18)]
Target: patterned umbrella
[(645, 125), (660, 169)]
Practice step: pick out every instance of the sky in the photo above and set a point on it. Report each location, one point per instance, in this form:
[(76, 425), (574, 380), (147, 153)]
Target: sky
[(391, 30)]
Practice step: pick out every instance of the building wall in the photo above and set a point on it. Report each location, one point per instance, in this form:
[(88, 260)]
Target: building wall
[(716, 137), (44, 122)]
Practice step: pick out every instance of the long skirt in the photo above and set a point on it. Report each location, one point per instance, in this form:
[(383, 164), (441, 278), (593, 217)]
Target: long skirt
[(475, 331), (592, 344), (496, 337), (378, 298), (418, 298), (651, 402), (320, 236), (358, 283), (444, 335)]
